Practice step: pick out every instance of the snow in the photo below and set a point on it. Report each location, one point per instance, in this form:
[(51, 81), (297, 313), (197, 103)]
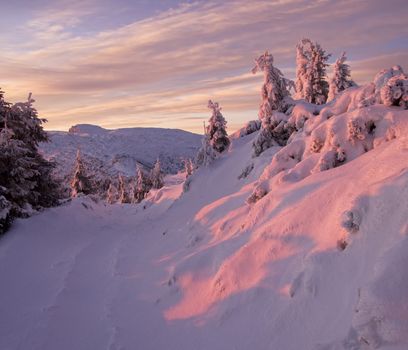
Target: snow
[(319, 262), (119, 151)]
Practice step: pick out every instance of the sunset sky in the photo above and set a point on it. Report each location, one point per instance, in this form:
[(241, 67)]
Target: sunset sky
[(124, 63)]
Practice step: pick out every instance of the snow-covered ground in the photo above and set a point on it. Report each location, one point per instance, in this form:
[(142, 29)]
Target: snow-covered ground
[(317, 261), (119, 151)]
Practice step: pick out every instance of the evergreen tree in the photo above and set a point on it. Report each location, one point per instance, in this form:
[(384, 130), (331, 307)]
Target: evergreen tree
[(206, 153), (341, 79), (112, 194), (156, 176), (311, 63), (275, 89), (142, 187), (81, 183), (216, 128), (275, 98), (188, 167), (26, 180), (124, 196)]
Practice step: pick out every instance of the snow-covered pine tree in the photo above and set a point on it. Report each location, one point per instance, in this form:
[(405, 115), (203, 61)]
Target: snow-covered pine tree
[(142, 186), (124, 196), (341, 79), (25, 176), (275, 89), (80, 184), (311, 63), (275, 98), (188, 167), (216, 128), (112, 194), (156, 176), (206, 154)]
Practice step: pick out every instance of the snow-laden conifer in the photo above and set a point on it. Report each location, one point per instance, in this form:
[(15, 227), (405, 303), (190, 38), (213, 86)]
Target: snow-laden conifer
[(206, 154), (275, 89), (142, 186), (156, 176), (216, 129), (311, 64), (25, 176), (124, 195), (341, 79), (112, 194), (81, 183)]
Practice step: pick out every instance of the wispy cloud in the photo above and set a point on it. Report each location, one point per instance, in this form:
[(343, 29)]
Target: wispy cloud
[(161, 70)]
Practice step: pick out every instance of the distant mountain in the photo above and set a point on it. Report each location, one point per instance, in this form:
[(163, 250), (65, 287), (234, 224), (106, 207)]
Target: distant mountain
[(120, 150)]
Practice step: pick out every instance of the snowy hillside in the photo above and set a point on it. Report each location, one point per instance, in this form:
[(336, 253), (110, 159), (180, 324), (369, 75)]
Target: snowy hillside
[(303, 247), (120, 150)]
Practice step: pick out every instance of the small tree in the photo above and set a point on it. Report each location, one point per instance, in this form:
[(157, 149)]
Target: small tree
[(311, 63), (188, 167), (206, 154), (341, 79), (275, 89), (124, 196), (80, 182), (112, 194), (156, 176), (216, 128), (142, 187)]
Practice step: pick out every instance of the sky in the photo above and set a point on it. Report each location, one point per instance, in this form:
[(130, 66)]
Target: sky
[(130, 63)]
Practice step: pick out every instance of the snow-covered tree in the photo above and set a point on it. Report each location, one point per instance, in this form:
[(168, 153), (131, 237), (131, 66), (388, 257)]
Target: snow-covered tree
[(216, 129), (112, 194), (81, 183), (311, 64), (206, 154), (275, 100), (275, 89), (25, 176), (395, 91), (341, 79), (142, 186), (188, 167), (156, 176), (124, 196)]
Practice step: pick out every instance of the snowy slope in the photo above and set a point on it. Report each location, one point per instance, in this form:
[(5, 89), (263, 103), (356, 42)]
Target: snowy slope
[(120, 150), (319, 262)]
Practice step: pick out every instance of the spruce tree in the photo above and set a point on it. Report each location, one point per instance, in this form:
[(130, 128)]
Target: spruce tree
[(275, 98), (311, 64), (26, 180), (142, 186), (156, 176), (112, 194), (341, 79), (81, 183), (216, 129), (206, 154), (124, 196)]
